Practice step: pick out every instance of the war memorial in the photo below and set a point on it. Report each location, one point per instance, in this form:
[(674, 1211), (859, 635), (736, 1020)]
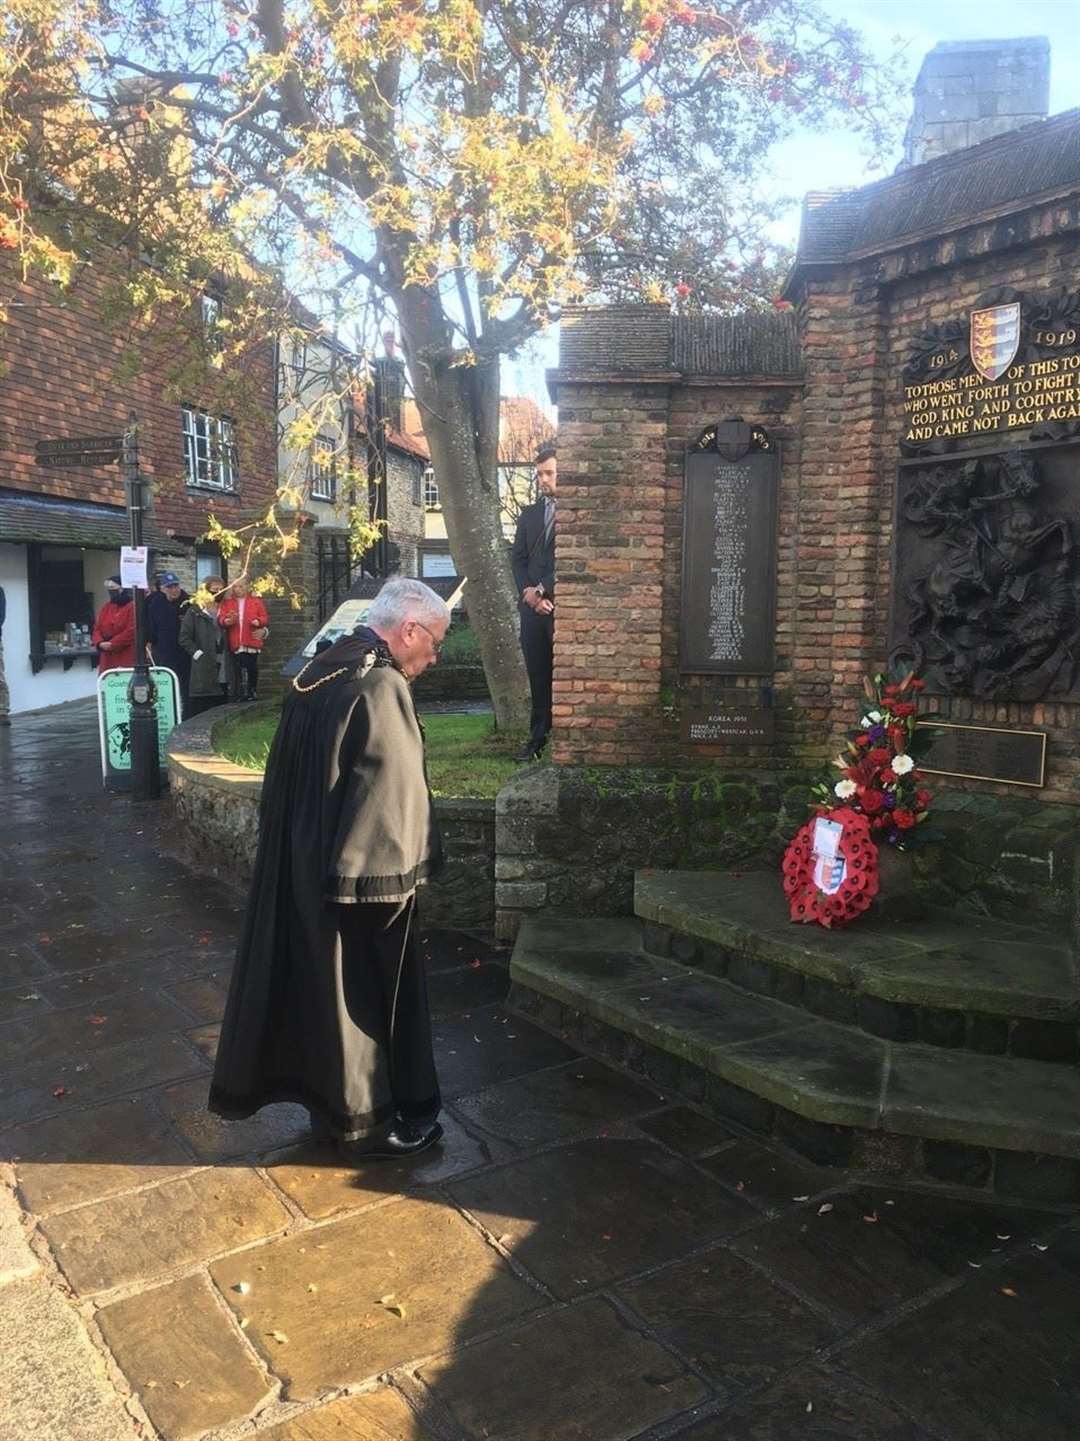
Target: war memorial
[(755, 514)]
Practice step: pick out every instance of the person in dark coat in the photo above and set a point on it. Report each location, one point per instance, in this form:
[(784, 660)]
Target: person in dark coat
[(203, 641), (114, 629), (164, 612), (328, 999), (533, 560)]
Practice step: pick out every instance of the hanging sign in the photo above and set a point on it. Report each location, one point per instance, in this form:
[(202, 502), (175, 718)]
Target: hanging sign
[(114, 720)]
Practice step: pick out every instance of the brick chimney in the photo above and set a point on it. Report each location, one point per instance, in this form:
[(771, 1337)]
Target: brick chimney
[(971, 90)]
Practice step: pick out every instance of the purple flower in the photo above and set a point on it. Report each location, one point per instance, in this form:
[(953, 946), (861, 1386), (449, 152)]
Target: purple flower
[(877, 733), (890, 800), (894, 836)]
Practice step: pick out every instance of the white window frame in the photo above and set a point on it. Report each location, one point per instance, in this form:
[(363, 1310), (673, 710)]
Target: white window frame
[(210, 309), (431, 489), (322, 475), (210, 458)]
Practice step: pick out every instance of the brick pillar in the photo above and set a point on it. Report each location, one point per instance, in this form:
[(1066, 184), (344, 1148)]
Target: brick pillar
[(845, 503), (609, 571)]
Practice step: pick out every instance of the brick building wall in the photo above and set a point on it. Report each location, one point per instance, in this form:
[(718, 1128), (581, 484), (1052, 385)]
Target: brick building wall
[(62, 369)]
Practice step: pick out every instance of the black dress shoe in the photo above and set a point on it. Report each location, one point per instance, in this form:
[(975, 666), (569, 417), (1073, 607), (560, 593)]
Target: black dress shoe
[(404, 1139)]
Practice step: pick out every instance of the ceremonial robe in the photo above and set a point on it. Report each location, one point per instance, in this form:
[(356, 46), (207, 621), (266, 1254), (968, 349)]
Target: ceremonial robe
[(328, 1002)]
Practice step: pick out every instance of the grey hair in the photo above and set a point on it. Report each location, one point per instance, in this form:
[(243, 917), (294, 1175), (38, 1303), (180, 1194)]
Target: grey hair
[(402, 599)]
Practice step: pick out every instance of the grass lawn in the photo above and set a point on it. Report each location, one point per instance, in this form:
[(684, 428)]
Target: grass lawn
[(465, 755)]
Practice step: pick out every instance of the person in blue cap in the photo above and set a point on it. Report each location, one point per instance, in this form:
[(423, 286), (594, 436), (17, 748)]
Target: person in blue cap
[(164, 612)]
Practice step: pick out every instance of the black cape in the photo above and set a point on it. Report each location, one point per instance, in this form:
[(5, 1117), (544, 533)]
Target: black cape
[(347, 831)]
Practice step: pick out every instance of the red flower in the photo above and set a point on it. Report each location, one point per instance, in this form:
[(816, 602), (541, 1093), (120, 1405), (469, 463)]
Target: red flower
[(682, 290), (888, 776), (863, 740), (898, 736), (918, 685), (923, 799), (871, 801), (904, 819), (879, 756), (880, 822)]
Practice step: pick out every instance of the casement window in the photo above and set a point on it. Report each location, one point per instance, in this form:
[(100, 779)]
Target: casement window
[(431, 489), (209, 450), (322, 468)]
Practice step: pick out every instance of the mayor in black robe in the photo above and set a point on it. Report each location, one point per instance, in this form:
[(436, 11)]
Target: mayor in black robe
[(328, 1000)]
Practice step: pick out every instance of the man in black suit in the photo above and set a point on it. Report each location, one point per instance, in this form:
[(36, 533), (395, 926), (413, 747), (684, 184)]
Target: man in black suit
[(533, 559)]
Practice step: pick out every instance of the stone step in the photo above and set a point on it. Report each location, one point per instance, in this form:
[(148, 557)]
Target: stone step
[(841, 1096), (945, 979)]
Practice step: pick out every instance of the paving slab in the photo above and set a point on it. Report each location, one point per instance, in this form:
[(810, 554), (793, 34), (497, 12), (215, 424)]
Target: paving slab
[(869, 1251), (147, 1234), (831, 1073), (728, 1320), (381, 1415), (86, 1155), (322, 1185), (84, 1031), (490, 1044), (685, 1130), (17, 1261), (215, 1139), (768, 1176), (54, 1086), (204, 997), (331, 1293), (995, 1361), (818, 1405), (53, 1382), (464, 990), (19, 963), (579, 1098), (205, 1039), (184, 1359), (25, 999), (599, 1210), (612, 1382)]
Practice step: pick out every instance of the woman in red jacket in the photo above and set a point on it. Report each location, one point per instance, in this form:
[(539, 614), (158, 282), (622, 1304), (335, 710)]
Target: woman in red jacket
[(245, 620), (114, 629)]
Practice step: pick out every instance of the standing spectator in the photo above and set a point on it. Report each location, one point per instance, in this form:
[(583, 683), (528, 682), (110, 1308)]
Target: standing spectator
[(114, 629), (203, 641), (246, 623), (164, 612), (533, 560), (5, 694)]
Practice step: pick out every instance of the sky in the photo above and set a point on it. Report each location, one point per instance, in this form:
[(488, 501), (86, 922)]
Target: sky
[(810, 160)]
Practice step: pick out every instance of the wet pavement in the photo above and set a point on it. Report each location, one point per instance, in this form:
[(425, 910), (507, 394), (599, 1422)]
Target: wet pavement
[(582, 1259)]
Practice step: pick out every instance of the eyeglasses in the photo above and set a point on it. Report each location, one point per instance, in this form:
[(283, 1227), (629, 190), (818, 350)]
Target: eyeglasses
[(436, 645)]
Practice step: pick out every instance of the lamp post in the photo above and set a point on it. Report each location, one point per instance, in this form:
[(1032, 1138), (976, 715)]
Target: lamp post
[(145, 766)]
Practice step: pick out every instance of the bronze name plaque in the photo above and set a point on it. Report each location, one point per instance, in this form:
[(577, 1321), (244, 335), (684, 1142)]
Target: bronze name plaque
[(735, 725), (729, 563), (985, 753)]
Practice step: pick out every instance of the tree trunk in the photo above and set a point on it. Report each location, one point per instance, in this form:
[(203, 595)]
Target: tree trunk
[(459, 406)]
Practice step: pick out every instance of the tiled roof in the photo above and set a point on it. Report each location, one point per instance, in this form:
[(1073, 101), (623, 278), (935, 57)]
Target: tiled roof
[(50, 521), (1005, 173), (732, 345)]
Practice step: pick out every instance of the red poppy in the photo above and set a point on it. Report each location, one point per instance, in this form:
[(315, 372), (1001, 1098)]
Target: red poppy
[(904, 819)]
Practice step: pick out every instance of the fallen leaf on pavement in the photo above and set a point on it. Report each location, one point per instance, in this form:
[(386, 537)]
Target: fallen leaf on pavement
[(59, 1091), (97, 1020), (1007, 1291), (871, 1219), (825, 1208), (280, 1337)]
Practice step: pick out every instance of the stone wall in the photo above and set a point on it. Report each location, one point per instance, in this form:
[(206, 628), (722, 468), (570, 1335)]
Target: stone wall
[(571, 837), (968, 91), (216, 804)]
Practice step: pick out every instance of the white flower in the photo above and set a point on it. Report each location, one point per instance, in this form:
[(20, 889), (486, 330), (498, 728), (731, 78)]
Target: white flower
[(845, 789), (871, 719), (902, 764)]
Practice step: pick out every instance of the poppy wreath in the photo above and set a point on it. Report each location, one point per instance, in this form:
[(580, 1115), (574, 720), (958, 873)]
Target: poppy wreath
[(859, 886)]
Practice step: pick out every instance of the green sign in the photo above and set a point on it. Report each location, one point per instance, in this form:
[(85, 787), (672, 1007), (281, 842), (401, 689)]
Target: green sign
[(114, 718)]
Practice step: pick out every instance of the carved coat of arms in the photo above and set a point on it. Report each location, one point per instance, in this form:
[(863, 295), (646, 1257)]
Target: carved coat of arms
[(995, 339)]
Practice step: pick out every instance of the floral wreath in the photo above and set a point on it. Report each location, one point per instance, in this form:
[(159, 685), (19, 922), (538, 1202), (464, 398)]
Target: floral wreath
[(858, 883)]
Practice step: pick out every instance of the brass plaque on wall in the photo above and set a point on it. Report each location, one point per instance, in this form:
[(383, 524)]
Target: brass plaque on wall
[(985, 753), (726, 622), (729, 725)]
